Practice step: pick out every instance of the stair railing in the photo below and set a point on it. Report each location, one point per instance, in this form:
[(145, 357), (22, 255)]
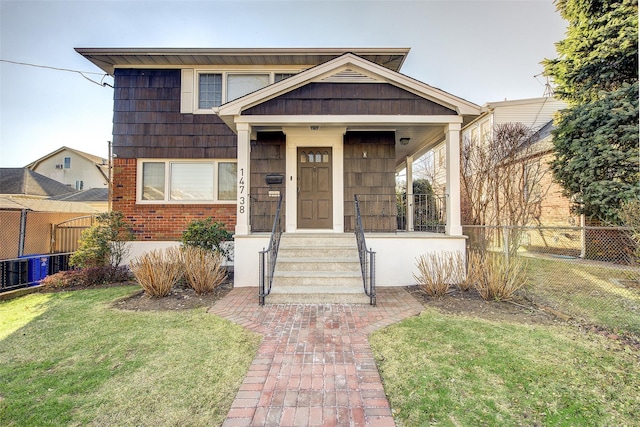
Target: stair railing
[(268, 257), (367, 258)]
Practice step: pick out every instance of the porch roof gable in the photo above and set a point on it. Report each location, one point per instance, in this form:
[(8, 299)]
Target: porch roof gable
[(352, 66)]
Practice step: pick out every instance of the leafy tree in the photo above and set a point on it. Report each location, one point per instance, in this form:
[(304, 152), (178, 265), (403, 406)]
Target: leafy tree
[(596, 137)]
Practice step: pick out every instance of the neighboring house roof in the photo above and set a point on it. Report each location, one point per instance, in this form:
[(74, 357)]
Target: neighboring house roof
[(533, 112), (90, 195), (43, 205), (107, 59), (25, 182), (351, 65), (100, 163)]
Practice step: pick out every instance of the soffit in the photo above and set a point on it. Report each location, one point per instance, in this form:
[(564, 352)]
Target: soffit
[(107, 59)]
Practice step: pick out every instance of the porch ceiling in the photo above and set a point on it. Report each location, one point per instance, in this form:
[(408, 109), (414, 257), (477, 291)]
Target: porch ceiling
[(422, 138)]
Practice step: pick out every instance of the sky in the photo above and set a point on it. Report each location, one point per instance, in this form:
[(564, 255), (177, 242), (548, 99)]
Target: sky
[(478, 50)]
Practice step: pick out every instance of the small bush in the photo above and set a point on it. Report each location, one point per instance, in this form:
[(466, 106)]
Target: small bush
[(157, 271), (501, 277), (86, 277), (438, 270), (207, 234), (473, 274), (104, 243), (203, 269)]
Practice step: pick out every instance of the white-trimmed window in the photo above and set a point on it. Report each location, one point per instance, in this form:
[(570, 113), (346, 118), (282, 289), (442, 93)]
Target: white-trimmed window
[(187, 181), (214, 88)]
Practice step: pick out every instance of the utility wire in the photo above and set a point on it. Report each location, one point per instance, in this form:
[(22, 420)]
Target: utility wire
[(82, 73)]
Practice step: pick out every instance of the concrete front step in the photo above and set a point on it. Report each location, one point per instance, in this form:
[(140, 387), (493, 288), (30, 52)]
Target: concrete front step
[(310, 266), (318, 264), (321, 298)]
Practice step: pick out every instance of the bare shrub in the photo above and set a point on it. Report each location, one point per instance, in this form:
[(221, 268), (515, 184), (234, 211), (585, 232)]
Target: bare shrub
[(203, 269), (438, 271), (157, 271), (473, 274), (501, 277)]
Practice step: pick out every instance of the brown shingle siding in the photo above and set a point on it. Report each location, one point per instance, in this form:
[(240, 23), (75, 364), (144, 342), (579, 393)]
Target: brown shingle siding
[(349, 98), (147, 121)]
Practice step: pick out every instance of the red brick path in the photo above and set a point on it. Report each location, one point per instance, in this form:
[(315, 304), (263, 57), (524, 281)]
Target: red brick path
[(314, 366)]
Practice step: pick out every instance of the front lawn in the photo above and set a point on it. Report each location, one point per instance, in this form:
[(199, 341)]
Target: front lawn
[(443, 369), (69, 358)]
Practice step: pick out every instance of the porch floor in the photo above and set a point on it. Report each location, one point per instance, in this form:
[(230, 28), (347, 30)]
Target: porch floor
[(314, 365)]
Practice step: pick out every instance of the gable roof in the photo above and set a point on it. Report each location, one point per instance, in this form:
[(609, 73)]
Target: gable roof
[(107, 59), (99, 162), (24, 181), (352, 66)]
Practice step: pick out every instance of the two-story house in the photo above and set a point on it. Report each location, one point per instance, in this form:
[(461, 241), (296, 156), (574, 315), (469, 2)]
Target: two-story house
[(74, 168), (226, 132)]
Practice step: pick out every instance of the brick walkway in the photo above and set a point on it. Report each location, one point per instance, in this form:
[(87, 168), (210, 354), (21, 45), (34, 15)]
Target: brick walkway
[(314, 366)]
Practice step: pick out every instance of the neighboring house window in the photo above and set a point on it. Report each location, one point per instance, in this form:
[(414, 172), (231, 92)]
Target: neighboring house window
[(209, 90), (79, 185), (485, 131), (474, 135), (67, 162), (241, 84), (441, 157), (188, 181)]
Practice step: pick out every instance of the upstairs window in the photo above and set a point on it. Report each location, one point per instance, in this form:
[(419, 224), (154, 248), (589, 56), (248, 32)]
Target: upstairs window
[(215, 88), (210, 90), (67, 162), (241, 84)]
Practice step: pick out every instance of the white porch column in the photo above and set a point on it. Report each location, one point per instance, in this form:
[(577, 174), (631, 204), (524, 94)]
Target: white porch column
[(243, 225), (410, 198), (452, 139)]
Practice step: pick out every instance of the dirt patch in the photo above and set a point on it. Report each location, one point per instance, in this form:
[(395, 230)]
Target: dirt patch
[(471, 304), (182, 297)]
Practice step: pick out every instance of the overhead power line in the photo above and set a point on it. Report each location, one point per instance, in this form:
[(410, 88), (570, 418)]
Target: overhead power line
[(82, 73)]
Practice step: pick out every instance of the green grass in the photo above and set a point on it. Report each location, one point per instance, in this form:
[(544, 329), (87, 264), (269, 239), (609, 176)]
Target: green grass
[(441, 369), (587, 292), (69, 359)]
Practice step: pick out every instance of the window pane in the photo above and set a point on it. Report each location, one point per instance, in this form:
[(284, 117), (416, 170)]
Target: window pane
[(227, 188), (241, 84), (153, 181), (192, 181), (325, 157), (303, 157), (210, 90), (67, 162), (278, 77), (311, 158), (318, 157)]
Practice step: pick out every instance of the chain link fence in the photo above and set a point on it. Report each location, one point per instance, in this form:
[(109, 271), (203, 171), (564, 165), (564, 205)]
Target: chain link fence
[(587, 273)]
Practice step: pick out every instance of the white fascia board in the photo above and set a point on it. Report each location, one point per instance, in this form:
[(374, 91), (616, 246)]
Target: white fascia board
[(353, 120), (461, 106)]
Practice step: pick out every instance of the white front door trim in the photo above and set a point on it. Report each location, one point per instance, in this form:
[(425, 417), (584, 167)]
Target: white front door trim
[(307, 137)]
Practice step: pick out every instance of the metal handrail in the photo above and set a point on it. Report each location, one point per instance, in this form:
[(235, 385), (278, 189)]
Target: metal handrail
[(268, 257), (367, 258)]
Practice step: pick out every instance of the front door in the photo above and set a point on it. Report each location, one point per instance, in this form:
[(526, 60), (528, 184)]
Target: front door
[(315, 190)]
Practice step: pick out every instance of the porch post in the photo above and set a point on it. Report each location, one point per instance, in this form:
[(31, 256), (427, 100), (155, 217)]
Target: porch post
[(452, 138), (410, 198), (243, 226)]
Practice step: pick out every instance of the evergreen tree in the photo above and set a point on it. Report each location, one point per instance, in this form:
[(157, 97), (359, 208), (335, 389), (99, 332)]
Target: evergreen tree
[(596, 137)]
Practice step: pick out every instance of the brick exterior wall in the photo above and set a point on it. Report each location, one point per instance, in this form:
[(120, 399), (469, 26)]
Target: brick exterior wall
[(160, 221), (555, 209)]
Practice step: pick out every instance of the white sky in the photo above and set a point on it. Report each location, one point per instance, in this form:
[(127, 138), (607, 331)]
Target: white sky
[(478, 50)]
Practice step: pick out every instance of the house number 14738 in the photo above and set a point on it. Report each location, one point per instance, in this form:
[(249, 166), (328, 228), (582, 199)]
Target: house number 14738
[(242, 199)]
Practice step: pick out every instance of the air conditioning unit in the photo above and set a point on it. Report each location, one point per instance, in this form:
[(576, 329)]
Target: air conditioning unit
[(59, 166)]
